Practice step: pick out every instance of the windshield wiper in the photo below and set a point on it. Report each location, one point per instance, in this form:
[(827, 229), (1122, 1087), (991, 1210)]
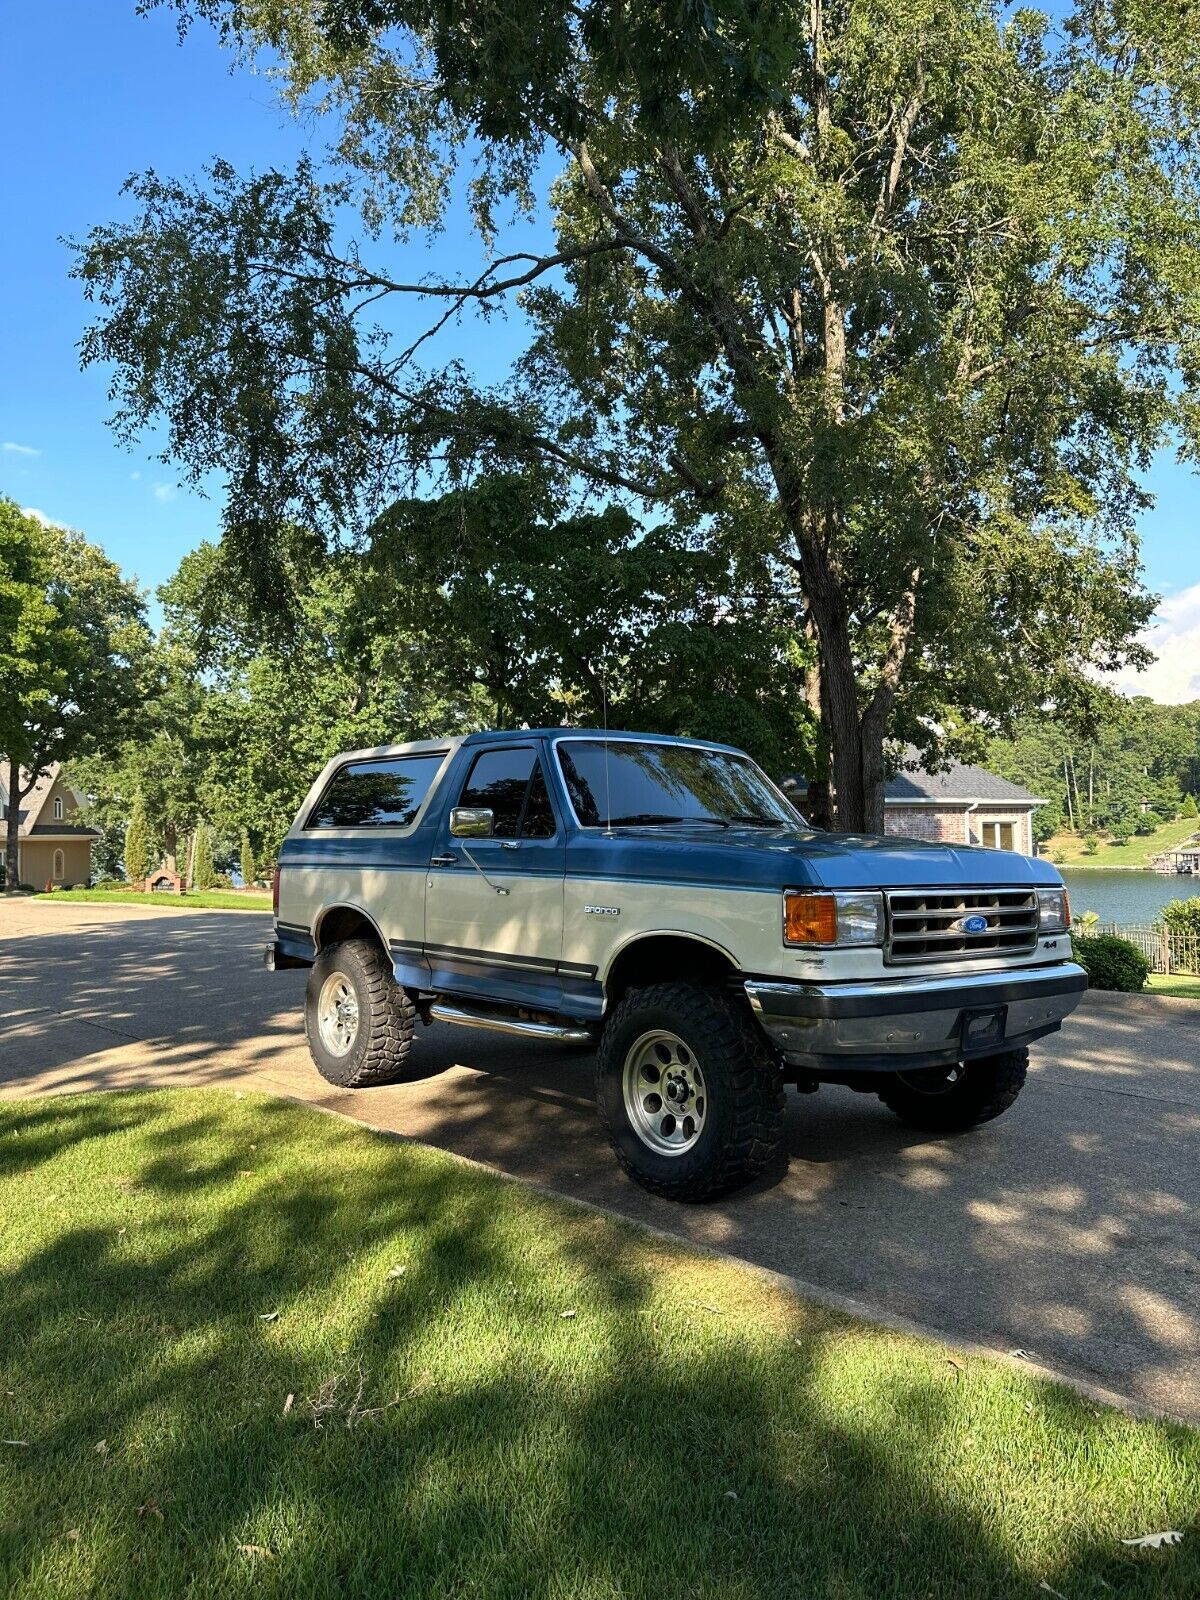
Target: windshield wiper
[(663, 817), (757, 819)]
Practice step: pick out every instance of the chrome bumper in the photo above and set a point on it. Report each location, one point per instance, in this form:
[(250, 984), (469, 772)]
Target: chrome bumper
[(889, 1024)]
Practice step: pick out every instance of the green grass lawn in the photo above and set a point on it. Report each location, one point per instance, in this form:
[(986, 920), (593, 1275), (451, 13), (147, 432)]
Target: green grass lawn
[(1181, 985), (247, 1349), (1135, 853), (195, 899)]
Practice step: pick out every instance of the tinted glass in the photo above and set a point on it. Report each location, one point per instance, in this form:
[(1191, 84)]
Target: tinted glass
[(498, 780), (664, 783), (511, 784), (539, 814), (376, 794)]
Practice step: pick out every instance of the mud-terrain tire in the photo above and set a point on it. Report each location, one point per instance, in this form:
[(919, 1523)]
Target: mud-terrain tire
[(369, 1040), (693, 1050), (983, 1090)]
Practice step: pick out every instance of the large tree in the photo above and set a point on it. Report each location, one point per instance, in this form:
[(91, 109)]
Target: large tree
[(912, 286), (591, 617), (72, 654)]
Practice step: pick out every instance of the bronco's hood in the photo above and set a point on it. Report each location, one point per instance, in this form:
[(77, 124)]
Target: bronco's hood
[(857, 861), (761, 858)]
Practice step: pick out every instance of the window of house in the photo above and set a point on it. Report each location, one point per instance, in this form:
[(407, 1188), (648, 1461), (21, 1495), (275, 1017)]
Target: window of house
[(376, 794), (58, 809), (60, 867), (512, 786), (997, 835)]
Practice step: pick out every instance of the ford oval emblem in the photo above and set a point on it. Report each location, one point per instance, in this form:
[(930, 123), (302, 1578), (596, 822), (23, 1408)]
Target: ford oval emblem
[(974, 924)]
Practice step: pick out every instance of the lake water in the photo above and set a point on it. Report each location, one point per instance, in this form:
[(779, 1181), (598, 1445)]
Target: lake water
[(1129, 897)]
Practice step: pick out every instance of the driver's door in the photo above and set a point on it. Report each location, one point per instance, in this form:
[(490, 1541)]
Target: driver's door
[(478, 941)]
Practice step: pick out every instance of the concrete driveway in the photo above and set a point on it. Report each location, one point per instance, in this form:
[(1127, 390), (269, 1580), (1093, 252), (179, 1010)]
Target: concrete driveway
[(1070, 1228)]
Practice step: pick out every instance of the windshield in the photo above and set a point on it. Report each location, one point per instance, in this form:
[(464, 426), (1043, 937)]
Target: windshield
[(658, 784)]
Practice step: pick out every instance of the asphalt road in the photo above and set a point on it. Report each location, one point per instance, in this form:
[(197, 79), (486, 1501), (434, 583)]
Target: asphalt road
[(1068, 1229)]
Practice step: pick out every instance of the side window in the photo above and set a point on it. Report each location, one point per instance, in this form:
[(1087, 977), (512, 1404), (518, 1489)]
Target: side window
[(58, 808), (511, 785), (375, 794)]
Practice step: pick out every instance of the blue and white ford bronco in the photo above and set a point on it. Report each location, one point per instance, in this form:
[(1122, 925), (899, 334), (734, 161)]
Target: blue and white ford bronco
[(661, 898)]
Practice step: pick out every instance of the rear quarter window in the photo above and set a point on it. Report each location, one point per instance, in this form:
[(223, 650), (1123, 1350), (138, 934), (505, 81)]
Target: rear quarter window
[(376, 794)]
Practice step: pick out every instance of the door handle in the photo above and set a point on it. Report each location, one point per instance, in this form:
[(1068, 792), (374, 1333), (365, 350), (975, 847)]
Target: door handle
[(509, 844), (449, 860)]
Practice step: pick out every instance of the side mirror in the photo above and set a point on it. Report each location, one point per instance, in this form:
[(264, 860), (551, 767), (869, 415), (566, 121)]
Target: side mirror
[(472, 822)]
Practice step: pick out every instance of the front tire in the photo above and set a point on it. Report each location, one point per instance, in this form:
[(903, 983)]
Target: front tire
[(358, 1020), (690, 1098), (953, 1099)]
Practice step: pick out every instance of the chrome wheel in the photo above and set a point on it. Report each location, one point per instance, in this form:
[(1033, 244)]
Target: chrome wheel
[(337, 1014), (665, 1097)]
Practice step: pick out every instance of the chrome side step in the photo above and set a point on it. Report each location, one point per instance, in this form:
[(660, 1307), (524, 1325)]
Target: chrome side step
[(498, 1022)]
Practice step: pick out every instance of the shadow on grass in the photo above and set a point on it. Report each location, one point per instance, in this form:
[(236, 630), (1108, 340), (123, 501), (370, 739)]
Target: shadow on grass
[(636, 1448)]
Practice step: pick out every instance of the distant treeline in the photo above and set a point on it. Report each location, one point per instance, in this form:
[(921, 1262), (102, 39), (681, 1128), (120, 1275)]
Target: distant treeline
[(1140, 770)]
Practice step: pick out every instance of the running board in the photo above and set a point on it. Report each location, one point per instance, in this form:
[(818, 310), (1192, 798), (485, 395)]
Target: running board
[(559, 1033)]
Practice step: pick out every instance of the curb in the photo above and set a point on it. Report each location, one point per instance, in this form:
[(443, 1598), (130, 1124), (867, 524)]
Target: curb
[(174, 903), (1146, 1004)]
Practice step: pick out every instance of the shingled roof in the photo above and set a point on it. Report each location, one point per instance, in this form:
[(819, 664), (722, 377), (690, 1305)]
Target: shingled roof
[(959, 785), (958, 782), (32, 803)]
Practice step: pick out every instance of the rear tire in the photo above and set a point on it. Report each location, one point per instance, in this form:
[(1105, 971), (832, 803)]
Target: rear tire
[(983, 1090), (691, 1100), (358, 1020)]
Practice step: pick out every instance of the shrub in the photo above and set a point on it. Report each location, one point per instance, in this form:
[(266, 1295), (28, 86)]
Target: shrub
[(137, 844), (1189, 807), (110, 883), (221, 880), (1111, 963), (203, 871), (1183, 916), (1090, 844)]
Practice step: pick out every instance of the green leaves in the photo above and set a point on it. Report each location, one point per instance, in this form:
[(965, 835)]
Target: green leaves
[(916, 284)]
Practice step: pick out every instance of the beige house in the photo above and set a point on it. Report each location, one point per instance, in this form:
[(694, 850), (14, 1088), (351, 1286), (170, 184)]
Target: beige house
[(53, 846)]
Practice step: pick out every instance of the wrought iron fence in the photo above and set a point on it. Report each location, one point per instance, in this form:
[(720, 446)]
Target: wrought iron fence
[(1166, 949)]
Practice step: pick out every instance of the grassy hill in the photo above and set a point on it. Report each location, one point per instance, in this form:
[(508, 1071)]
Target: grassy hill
[(1067, 848)]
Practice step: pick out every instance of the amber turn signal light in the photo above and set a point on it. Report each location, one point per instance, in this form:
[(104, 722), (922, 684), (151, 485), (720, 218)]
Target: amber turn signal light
[(810, 918)]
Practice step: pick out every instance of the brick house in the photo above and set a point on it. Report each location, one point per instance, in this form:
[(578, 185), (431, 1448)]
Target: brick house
[(53, 846), (963, 805)]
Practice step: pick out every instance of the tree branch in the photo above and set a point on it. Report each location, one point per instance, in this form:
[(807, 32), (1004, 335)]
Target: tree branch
[(904, 128)]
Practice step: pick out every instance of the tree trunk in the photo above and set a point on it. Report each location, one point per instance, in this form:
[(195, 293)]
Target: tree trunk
[(12, 876), (857, 763), (170, 846), (818, 801)]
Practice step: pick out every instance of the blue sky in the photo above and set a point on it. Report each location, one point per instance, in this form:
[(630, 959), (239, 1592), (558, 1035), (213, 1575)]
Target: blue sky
[(92, 93)]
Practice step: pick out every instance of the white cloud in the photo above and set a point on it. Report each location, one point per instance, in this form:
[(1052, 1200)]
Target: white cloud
[(165, 491), (134, 476), (40, 516), (1174, 636), (19, 449)]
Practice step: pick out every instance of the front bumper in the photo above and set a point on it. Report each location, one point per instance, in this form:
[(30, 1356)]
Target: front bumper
[(894, 1024)]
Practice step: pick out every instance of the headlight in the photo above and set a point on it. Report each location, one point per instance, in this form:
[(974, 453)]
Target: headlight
[(1054, 911), (855, 917)]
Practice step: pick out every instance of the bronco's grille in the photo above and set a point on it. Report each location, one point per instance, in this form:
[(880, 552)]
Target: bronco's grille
[(927, 925)]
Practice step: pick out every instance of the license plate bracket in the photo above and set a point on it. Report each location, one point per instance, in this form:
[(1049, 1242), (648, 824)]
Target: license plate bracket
[(983, 1029)]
